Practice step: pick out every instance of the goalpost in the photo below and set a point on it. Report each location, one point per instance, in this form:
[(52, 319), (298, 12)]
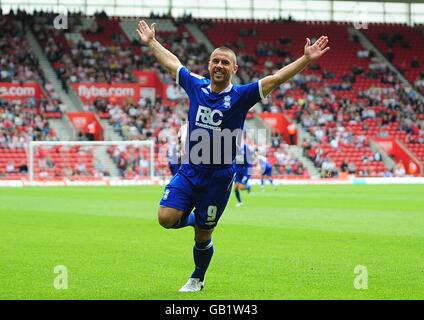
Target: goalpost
[(91, 161)]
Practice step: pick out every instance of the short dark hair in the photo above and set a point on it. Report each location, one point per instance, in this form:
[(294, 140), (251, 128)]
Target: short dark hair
[(223, 48)]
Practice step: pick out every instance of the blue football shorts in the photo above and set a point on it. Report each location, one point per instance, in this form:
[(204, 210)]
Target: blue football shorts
[(242, 175), (205, 189), (268, 171), (173, 168)]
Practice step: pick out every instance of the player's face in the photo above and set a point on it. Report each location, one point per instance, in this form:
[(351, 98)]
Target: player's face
[(222, 66)]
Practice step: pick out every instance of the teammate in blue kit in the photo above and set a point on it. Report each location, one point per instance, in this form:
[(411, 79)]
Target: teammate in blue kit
[(173, 157), (243, 167), (215, 122), (265, 168)]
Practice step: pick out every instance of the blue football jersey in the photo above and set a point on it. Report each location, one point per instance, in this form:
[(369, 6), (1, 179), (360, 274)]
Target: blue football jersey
[(264, 164), (244, 162), (217, 115), (244, 156), (173, 156)]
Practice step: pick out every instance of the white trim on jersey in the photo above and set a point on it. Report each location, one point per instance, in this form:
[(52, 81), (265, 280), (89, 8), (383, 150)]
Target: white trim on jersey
[(260, 89), (182, 133), (177, 78), (227, 89)]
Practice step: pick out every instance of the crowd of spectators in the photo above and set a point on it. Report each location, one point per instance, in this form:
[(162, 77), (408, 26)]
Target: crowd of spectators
[(90, 61), (20, 124), (132, 162), (324, 109), (143, 119), (394, 40), (285, 163), (84, 61), (328, 116), (68, 162), (17, 61)]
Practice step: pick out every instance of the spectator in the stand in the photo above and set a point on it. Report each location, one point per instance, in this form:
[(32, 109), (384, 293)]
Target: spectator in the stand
[(122, 165), (23, 168), (10, 167), (81, 136), (344, 166), (91, 131), (377, 156), (400, 169), (291, 129), (328, 168), (42, 163), (415, 63), (363, 53), (67, 172), (81, 168), (351, 168), (412, 168), (143, 166), (334, 143), (261, 51), (129, 173), (328, 75), (365, 158), (388, 174), (275, 140), (420, 139), (99, 169), (319, 133), (390, 55), (239, 44), (174, 92)]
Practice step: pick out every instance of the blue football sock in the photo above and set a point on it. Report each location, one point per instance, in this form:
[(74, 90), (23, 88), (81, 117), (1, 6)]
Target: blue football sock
[(248, 187), (202, 253), (262, 182), (237, 192), (186, 220)]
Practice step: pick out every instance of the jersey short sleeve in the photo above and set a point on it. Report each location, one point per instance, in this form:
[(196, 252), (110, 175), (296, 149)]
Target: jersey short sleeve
[(251, 94), (188, 80)]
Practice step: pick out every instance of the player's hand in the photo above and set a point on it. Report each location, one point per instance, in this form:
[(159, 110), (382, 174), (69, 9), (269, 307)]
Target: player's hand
[(145, 32), (313, 52)]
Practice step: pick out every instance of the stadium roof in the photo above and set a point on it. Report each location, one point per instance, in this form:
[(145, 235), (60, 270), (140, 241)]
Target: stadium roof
[(399, 11), (397, 1)]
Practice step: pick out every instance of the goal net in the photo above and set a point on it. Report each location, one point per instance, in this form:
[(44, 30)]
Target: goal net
[(91, 161)]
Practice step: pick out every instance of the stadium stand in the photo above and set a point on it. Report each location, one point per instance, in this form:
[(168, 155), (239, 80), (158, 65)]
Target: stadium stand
[(403, 46), (332, 100), (26, 100), (342, 104)]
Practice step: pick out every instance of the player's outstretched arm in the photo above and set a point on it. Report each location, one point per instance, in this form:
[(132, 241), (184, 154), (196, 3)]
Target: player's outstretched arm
[(311, 53), (165, 57)]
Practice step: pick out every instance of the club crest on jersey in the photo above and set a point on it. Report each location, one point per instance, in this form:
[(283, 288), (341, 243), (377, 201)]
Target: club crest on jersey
[(166, 194), (227, 102)]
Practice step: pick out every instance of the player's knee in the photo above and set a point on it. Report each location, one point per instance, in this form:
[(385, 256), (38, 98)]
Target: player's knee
[(165, 222), (165, 219)]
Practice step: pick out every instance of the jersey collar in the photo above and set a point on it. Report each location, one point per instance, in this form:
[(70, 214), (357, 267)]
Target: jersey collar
[(227, 89)]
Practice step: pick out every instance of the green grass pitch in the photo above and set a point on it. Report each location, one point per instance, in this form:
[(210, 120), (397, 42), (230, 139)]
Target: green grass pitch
[(300, 242)]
